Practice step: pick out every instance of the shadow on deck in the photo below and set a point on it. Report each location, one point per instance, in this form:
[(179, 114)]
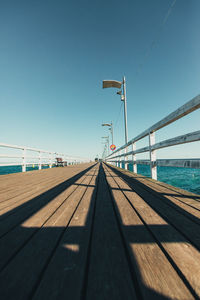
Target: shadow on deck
[(91, 256)]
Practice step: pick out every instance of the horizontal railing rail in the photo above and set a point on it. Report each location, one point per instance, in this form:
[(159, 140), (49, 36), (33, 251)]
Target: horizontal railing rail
[(43, 157), (117, 155)]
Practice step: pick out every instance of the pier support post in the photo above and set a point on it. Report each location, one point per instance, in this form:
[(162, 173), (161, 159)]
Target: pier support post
[(134, 158), (153, 164)]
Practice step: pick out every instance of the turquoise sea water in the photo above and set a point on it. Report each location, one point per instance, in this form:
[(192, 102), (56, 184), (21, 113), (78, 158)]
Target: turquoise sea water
[(17, 169), (185, 178)]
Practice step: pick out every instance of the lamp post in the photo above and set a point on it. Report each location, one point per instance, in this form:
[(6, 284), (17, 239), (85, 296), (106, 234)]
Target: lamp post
[(118, 85), (110, 128)]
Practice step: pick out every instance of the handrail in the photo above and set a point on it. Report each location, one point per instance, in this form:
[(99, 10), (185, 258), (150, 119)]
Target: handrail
[(182, 111), (42, 160)]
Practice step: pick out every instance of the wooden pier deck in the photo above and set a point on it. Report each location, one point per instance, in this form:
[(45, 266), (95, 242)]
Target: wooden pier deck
[(95, 232)]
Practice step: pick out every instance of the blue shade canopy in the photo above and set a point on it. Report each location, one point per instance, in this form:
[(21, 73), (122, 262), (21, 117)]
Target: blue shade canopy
[(111, 83)]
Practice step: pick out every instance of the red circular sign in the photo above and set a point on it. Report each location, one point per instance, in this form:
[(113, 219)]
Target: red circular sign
[(112, 147)]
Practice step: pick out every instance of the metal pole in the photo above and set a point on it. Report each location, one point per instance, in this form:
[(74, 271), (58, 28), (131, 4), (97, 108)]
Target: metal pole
[(125, 123), (125, 111), (112, 132)]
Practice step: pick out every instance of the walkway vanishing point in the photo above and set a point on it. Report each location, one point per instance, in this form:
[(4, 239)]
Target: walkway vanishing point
[(95, 232)]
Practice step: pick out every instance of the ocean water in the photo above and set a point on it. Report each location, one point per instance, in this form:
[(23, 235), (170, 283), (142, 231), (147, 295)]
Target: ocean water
[(185, 178), (17, 169)]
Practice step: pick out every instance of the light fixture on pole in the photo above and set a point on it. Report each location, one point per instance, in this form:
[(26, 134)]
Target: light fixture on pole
[(118, 85), (110, 128)]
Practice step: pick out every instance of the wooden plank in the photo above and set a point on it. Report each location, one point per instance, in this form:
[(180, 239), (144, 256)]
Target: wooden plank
[(34, 187), (17, 215), (184, 256), (15, 239), (175, 215), (178, 198), (30, 263), (188, 202), (108, 274), (30, 189), (65, 274), (147, 257), (14, 182)]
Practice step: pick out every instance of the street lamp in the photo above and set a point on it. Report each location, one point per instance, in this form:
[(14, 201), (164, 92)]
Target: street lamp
[(118, 85), (110, 128)]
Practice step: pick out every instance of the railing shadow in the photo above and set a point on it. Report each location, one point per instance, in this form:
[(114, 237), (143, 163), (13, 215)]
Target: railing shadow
[(27, 209), (55, 262), (167, 209)]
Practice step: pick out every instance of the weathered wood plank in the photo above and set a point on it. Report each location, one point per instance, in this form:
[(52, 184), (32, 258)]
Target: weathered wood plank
[(108, 274), (16, 238), (64, 276), (14, 183), (30, 263), (188, 203), (175, 215), (146, 255), (184, 256), (18, 214)]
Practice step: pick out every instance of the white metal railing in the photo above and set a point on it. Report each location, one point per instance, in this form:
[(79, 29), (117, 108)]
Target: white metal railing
[(122, 152), (41, 158)]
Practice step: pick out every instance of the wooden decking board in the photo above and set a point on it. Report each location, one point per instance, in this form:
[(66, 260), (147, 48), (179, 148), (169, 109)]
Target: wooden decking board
[(18, 179), (176, 190), (36, 180), (65, 274), (16, 238), (108, 273), (14, 217), (176, 216), (38, 251), (183, 255), (188, 204), (27, 194), (189, 198), (67, 235), (154, 280), (36, 189)]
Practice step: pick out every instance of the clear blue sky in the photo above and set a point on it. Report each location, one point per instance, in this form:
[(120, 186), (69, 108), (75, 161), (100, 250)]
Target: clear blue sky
[(55, 54)]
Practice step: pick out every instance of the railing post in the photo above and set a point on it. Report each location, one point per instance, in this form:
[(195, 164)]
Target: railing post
[(152, 153), (50, 160), (134, 158), (125, 159), (120, 159), (24, 160), (40, 165)]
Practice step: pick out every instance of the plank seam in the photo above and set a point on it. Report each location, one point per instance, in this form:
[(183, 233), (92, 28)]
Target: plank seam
[(131, 269), (35, 232), (127, 181), (35, 287), (176, 268)]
